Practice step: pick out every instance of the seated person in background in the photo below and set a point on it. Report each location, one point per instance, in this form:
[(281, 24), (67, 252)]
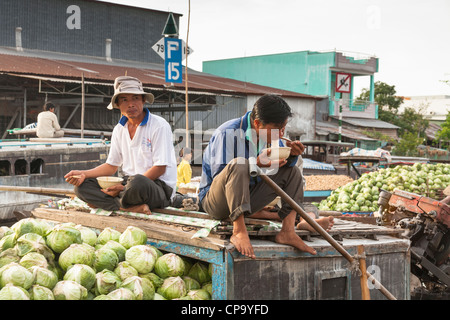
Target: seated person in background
[(184, 170), (47, 123)]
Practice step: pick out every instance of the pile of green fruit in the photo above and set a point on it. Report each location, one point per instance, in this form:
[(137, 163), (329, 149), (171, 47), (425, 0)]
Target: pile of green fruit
[(362, 195), (43, 261)]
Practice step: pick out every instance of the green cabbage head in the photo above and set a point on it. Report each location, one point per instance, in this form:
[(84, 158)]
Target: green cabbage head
[(69, 290), (132, 236), (141, 257), (142, 288), (12, 292), (82, 274), (17, 275), (169, 265)]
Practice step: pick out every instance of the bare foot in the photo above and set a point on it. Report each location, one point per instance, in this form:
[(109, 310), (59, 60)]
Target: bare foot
[(292, 239), (242, 243), (325, 222), (141, 208)]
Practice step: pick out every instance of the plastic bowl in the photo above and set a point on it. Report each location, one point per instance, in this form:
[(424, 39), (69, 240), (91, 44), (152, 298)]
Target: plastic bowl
[(106, 182), (279, 153)]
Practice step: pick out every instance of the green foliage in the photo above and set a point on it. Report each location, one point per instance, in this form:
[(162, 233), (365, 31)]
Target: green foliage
[(407, 146), (384, 96), (444, 132)]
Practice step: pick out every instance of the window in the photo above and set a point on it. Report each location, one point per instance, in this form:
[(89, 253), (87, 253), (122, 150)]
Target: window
[(20, 167), (37, 166), (5, 167)]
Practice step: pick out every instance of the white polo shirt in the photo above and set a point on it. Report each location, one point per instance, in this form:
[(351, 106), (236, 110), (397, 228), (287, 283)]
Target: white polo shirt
[(152, 145)]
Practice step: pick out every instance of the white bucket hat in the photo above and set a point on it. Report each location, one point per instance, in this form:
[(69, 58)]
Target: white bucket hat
[(128, 85)]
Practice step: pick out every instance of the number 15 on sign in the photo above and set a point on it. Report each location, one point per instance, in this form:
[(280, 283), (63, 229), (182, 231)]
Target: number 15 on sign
[(172, 62)]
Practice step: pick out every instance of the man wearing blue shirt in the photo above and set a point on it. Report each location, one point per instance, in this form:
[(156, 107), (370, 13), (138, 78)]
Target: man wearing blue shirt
[(228, 191)]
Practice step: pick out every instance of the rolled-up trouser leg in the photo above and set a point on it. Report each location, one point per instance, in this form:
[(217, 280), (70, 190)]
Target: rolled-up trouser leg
[(142, 190), (90, 192), (229, 194)]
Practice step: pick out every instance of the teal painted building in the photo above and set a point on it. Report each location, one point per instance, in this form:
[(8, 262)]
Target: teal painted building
[(308, 72)]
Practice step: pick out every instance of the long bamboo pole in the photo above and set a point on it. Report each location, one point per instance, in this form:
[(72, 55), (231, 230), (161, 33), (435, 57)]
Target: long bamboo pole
[(38, 190)]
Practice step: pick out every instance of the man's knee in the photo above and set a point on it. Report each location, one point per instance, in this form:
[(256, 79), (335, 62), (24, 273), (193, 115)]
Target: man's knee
[(239, 164), (138, 180)]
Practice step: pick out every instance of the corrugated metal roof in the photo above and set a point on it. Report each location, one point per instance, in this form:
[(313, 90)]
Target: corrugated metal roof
[(324, 128), (151, 76), (369, 123)]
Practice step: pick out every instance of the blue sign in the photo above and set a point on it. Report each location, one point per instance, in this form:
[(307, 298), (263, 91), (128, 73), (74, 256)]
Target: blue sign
[(172, 60)]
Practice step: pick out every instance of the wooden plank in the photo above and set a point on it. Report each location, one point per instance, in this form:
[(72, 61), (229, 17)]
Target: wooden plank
[(153, 231)]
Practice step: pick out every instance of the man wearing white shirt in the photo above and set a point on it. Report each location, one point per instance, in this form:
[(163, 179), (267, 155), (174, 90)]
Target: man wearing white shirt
[(47, 123), (142, 144)]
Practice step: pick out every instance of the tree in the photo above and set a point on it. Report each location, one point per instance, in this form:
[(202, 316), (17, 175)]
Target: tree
[(388, 102), (444, 133), (412, 121)]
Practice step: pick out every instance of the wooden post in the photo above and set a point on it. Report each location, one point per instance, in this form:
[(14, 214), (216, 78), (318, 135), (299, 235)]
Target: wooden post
[(362, 266)]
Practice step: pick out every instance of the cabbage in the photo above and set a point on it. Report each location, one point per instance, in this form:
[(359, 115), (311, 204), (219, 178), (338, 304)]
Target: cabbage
[(69, 290), (141, 257), (17, 275), (38, 292), (106, 281), (33, 259), (30, 225), (156, 280), (208, 287), (169, 265), (172, 288), (44, 277), (32, 242), (422, 179), (77, 254), (132, 236), (4, 231), (88, 235), (82, 274), (117, 248), (199, 272), (62, 236), (8, 256), (108, 234), (122, 294), (12, 292), (125, 270), (142, 288), (103, 297), (187, 265), (158, 297), (199, 294), (105, 259), (191, 284), (8, 241)]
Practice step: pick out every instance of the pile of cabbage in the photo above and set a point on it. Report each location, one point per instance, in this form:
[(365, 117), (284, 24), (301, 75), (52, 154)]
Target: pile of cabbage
[(362, 195), (43, 261)]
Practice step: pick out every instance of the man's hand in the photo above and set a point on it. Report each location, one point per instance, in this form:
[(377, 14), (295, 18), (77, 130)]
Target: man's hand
[(114, 190), (297, 147), (75, 177)]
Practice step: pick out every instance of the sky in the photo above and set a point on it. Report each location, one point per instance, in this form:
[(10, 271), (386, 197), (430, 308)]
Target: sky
[(409, 37)]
